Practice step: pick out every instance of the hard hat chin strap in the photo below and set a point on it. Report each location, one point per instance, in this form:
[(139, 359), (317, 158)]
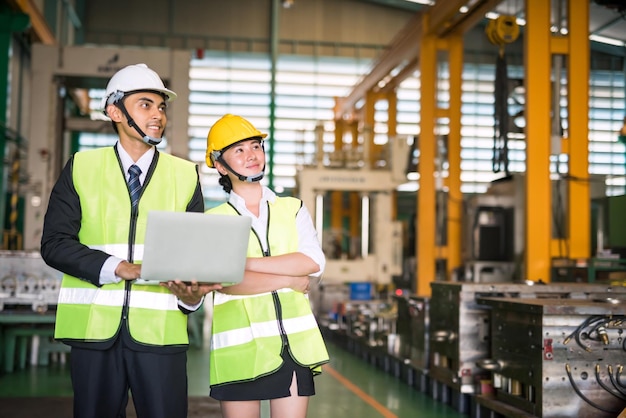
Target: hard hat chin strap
[(150, 140), (247, 179), (252, 179)]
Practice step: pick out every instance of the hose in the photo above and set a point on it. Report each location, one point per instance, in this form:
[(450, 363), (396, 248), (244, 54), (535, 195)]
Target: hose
[(576, 333), (621, 396), (598, 325), (618, 374), (568, 370), (614, 382)]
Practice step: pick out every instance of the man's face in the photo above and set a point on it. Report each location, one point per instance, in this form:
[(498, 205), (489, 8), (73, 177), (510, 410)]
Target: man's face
[(148, 110)]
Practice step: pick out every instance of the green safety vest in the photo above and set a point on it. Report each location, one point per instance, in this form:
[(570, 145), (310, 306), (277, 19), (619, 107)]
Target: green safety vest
[(249, 331), (88, 313)]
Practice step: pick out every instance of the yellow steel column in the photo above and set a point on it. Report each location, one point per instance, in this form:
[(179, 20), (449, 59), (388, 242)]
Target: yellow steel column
[(538, 193), (354, 132), (426, 193), (392, 113), (377, 150), (340, 126), (455, 198), (368, 127), (579, 205)]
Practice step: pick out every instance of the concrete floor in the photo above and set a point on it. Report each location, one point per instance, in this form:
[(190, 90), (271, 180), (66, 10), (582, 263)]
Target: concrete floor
[(349, 387)]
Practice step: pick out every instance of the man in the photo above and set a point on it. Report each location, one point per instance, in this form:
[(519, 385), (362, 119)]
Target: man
[(124, 335)]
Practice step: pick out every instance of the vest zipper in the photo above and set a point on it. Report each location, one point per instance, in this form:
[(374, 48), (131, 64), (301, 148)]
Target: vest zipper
[(279, 318), (277, 305), (132, 231)]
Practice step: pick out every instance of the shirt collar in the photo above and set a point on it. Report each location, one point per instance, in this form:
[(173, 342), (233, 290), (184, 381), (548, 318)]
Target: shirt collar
[(143, 162), (238, 202)]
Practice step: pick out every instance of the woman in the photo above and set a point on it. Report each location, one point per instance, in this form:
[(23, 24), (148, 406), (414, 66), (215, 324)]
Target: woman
[(265, 343)]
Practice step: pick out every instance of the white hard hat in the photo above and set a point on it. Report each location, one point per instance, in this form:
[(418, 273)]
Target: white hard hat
[(137, 77)]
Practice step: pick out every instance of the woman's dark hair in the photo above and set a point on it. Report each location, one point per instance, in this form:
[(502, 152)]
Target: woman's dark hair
[(227, 185)]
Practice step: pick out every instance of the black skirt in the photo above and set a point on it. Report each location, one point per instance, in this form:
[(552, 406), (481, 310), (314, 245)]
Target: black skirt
[(273, 386)]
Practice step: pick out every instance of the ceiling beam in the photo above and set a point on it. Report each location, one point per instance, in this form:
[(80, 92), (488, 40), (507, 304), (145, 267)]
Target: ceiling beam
[(443, 14), (403, 50), (403, 47), (402, 75), (463, 22), (40, 27)]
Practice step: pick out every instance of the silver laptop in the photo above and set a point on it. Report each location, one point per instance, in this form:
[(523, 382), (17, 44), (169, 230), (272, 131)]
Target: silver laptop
[(189, 246)]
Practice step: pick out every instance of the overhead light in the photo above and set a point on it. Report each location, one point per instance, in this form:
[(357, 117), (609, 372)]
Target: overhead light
[(288, 3), (605, 40), (426, 2)]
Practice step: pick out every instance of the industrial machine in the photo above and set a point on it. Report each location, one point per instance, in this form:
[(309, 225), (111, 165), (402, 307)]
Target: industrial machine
[(460, 330), (27, 282), (412, 340), (493, 233), (557, 357), (494, 228), (376, 255)]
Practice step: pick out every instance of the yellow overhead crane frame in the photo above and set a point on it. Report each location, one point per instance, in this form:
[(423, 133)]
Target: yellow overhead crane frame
[(539, 47), (441, 29)]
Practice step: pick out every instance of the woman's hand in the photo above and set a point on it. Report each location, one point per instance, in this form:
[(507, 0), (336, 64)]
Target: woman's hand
[(300, 284), (190, 293)]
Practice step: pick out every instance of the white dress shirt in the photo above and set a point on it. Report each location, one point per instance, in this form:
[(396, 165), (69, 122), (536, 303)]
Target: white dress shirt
[(308, 243)]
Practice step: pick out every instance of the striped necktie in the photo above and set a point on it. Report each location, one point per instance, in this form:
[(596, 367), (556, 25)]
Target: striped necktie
[(134, 185)]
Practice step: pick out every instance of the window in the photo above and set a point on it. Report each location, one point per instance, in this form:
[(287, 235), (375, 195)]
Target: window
[(239, 83)]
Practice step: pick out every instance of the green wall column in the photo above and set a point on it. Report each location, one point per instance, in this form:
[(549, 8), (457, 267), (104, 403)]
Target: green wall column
[(10, 22), (276, 5)]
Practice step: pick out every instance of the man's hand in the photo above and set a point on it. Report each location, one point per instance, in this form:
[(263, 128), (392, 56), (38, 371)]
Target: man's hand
[(190, 294), (128, 271)]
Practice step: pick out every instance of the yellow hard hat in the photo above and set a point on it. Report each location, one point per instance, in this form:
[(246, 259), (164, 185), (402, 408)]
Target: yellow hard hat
[(228, 130)]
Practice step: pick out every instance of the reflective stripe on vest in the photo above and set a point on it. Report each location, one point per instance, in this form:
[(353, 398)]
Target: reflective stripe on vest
[(89, 313), (139, 299), (267, 328), (247, 335)]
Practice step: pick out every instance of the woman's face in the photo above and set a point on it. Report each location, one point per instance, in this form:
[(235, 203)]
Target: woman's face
[(245, 157)]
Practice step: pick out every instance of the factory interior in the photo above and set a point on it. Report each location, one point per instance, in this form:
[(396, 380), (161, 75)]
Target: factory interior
[(464, 163)]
